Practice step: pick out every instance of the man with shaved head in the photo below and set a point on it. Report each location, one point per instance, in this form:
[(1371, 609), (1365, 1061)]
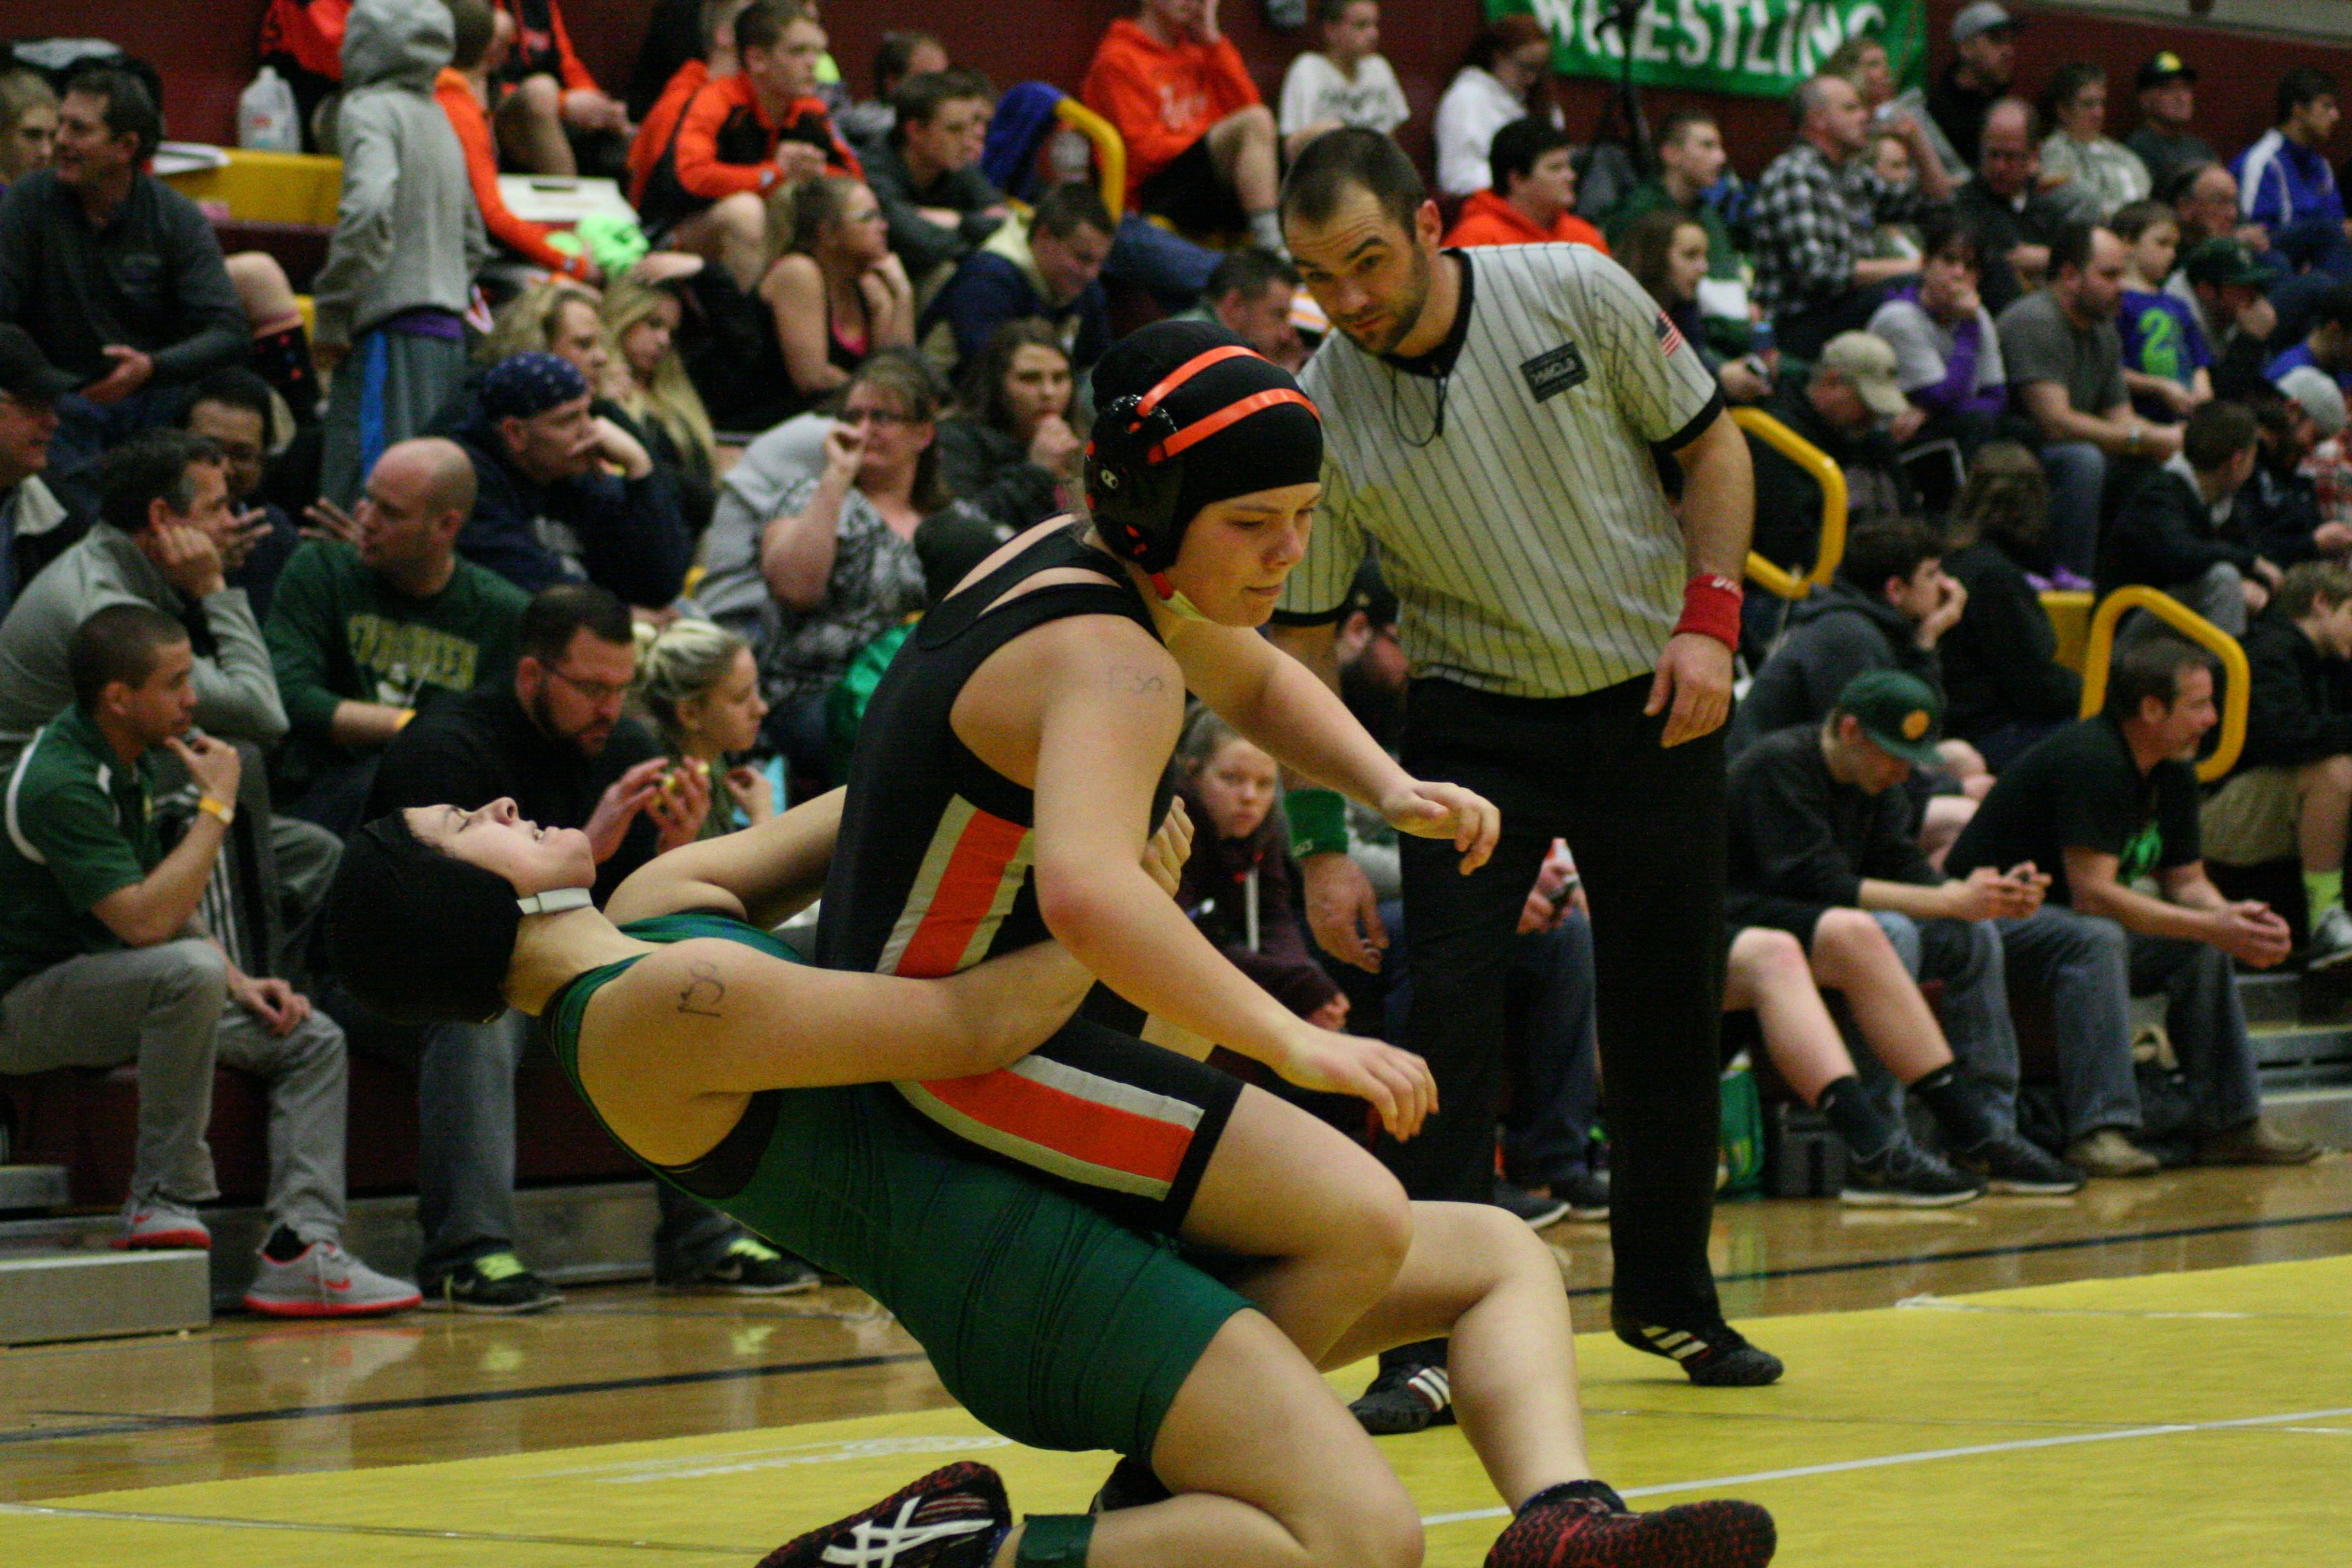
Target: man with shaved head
[(363, 635)]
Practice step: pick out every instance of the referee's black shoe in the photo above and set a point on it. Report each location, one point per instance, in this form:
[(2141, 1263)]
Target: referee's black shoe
[(1405, 1398), (1715, 1355)]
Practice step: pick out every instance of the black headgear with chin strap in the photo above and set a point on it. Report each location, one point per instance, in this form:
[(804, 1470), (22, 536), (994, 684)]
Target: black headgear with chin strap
[(1190, 415), (420, 936)]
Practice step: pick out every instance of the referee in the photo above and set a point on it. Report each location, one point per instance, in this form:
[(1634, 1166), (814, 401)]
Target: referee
[(1491, 417)]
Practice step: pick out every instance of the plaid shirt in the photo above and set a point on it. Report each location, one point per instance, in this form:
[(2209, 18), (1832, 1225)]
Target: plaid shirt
[(1810, 221)]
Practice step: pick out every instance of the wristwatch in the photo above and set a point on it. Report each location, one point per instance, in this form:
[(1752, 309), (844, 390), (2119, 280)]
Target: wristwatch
[(225, 810)]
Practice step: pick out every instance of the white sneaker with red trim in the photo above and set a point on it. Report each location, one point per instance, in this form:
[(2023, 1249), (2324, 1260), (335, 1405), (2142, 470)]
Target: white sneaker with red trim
[(324, 1281)]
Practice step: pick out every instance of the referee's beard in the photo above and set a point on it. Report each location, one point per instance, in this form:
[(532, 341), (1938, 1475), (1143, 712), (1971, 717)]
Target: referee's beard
[(1395, 319)]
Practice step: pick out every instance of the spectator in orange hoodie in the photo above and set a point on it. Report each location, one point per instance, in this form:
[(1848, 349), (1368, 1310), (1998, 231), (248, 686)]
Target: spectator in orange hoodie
[(738, 138), (462, 90), (717, 59), (1200, 143), (1534, 192), (549, 97)]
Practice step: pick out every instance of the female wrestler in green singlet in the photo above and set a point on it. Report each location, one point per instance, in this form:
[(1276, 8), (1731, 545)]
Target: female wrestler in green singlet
[(746, 1079)]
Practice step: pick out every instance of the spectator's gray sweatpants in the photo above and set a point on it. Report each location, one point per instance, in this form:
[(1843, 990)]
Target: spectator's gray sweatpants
[(1965, 955), (167, 1007), (466, 1159), (390, 388), (2091, 967)]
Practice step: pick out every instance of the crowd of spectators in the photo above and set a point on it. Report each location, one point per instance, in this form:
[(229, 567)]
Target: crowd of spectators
[(621, 548)]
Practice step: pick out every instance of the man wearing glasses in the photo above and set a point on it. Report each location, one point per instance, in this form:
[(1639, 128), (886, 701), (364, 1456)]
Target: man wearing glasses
[(563, 495), (555, 740)]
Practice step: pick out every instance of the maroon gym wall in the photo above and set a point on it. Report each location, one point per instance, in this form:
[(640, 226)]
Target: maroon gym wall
[(205, 50)]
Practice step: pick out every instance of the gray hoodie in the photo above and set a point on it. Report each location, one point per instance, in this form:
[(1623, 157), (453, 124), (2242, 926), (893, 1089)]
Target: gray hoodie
[(407, 233)]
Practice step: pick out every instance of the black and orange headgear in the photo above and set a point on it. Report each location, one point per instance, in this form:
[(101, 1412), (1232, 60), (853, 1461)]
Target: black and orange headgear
[(1188, 415)]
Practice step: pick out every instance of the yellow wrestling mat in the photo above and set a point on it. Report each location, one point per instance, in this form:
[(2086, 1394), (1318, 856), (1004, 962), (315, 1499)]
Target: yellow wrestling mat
[(2173, 1420)]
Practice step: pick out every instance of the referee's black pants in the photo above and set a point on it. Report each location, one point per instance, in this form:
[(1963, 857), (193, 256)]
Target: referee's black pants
[(1646, 824)]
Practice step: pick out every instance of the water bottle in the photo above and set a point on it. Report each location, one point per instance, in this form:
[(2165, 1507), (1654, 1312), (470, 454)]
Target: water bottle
[(266, 118)]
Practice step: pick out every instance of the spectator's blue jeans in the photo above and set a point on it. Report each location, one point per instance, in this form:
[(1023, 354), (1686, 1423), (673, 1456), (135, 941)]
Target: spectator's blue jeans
[(1965, 955), (1548, 1133), (1167, 266), (2077, 472), (466, 1159), (2090, 968)]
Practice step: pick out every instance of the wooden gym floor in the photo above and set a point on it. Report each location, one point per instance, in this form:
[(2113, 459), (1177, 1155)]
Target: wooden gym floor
[(2151, 1374)]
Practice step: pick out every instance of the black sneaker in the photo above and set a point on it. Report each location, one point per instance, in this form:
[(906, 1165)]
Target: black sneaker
[(1533, 1207), (1903, 1175), (2009, 1164), (1130, 1484), (1716, 1356), (496, 1282), (749, 1267), (1405, 1398), (953, 1518), (1587, 1192)]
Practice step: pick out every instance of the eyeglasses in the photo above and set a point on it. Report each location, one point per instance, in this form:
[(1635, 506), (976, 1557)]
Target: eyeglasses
[(885, 417), (594, 690)]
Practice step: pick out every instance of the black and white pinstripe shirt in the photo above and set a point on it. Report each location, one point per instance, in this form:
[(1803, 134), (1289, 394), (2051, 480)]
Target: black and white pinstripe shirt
[(1507, 480)]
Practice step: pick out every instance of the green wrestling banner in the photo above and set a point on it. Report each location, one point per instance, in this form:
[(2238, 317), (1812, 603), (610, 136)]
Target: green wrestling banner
[(1762, 47)]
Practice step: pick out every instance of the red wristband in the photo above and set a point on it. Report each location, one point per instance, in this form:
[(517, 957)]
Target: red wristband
[(1711, 608)]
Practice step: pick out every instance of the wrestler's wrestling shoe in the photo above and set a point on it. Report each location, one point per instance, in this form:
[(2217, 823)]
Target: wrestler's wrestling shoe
[(1131, 1484), (953, 1518), (1583, 1524)]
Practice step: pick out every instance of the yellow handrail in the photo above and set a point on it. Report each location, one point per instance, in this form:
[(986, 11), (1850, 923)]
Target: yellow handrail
[(1829, 477), (1110, 149), (2197, 629)]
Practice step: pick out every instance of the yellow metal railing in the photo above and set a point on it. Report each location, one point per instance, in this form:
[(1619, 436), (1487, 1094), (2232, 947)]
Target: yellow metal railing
[(2197, 629), (1110, 149), (1778, 579), (2069, 610)]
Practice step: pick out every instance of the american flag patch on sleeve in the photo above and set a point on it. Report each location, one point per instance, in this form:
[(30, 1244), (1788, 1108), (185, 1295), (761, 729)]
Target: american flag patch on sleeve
[(1670, 337)]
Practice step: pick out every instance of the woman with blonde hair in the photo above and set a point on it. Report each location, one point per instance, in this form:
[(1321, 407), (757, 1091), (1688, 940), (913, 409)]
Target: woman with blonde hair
[(557, 316), (28, 124), (650, 384), (833, 294), (701, 684), (836, 293)]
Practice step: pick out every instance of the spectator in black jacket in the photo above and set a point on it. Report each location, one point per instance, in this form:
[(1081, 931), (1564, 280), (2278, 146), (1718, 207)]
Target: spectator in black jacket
[(1844, 409), (34, 525), (2278, 511), (2173, 530), (1011, 452), (115, 275), (546, 510), (2003, 686), (1889, 606), (934, 198), (2228, 290), (553, 746), (2292, 789), (1820, 846), (1888, 609), (232, 408)]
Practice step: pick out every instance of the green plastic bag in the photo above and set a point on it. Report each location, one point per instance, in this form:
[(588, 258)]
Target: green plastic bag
[(845, 705), (1743, 1132)]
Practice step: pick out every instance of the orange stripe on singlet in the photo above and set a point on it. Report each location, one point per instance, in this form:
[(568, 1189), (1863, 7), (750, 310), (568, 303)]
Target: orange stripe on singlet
[(967, 892), (1075, 1126)]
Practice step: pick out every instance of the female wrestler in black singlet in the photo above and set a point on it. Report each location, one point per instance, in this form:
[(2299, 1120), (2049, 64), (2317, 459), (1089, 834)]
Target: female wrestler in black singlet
[(1016, 748)]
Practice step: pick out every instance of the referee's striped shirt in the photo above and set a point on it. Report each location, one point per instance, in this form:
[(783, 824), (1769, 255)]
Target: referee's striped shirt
[(1515, 503)]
